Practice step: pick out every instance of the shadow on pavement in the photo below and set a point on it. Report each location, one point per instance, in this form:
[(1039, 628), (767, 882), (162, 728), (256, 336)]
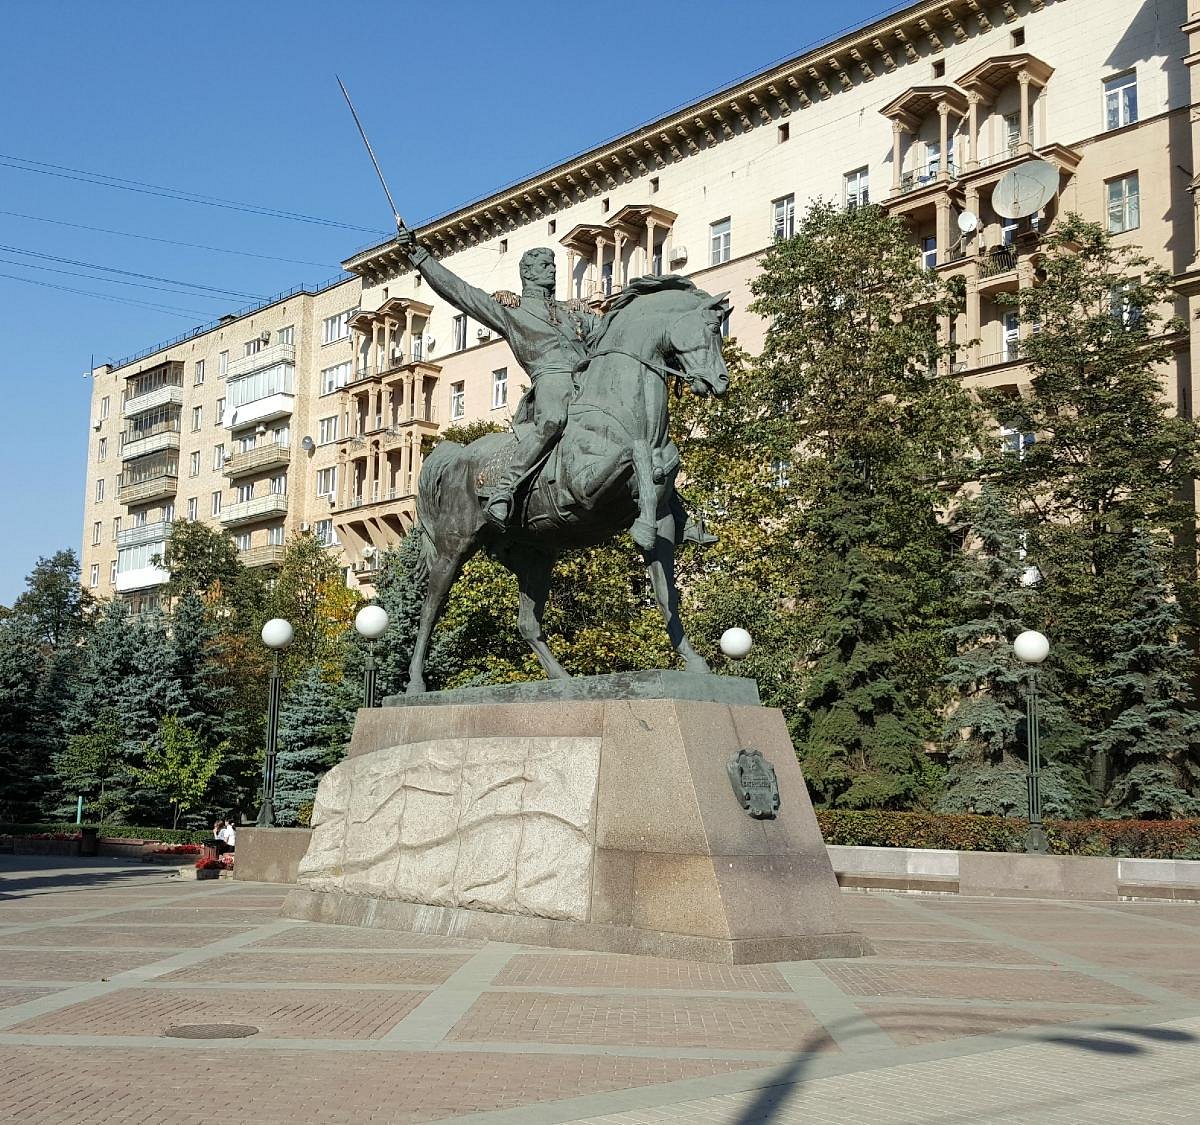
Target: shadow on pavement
[(22, 876), (786, 1083)]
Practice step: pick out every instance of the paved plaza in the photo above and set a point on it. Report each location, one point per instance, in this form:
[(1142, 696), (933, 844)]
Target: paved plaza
[(972, 1010)]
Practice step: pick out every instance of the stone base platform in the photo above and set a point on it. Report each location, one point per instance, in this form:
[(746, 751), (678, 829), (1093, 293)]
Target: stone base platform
[(590, 823)]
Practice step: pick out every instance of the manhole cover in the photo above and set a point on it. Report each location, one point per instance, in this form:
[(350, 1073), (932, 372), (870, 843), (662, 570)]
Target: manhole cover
[(211, 1031)]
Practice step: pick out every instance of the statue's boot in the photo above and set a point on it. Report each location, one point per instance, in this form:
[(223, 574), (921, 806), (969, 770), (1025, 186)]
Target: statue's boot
[(695, 532), (498, 510)]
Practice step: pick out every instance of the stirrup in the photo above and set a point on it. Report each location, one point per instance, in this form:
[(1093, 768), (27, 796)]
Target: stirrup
[(493, 514)]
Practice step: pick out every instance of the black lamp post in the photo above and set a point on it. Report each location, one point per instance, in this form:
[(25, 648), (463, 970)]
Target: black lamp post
[(276, 634), (370, 621), (1031, 648)]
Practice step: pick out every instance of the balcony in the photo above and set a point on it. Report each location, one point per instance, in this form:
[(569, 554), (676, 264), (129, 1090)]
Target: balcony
[(262, 556), (259, 410), (269, 455), (141, 579), (157, 532), (928, 177), (253, 511), (169, 395), (153, 441), (157, 486), (266, 357)]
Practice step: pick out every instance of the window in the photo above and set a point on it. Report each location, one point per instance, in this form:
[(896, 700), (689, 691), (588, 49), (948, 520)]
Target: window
[(605, 203), (198, 377), (458, 400), (275, 536), (939, 68), (334, 377), (104, 408), (500, 388), (197, 417), (323, 533), (218, 457), (858, 188), (1120, 100), (327, 481), (245, 492), (193, 508), (168, 512), (277, 379), (929, 252), (719, 241), (99, 490), (1008, 231), (286, 335), (215, 509), (247, 442), (552, 226), (1012, 337), (504, 246), (1121, 305), (220, 416), (1016, 443), (102, 449), (725, 325), (1016, 37), (194, 464), (112, 572), (281, 434), (242, 539), (460, 332), (782, 132), (653, 185), (783, 218), (97, 532), (95, 576), (279, 485), (1012, 131), (335, 328), (1124, 204), (783, 473), (140, 518), (222, 364), (253, 347), (116, 526), (327, 430)]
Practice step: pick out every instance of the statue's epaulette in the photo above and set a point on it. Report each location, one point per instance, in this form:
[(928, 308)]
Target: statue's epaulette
[(507, 298)]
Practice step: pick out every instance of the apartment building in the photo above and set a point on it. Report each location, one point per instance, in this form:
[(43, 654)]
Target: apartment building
[(326, 401)]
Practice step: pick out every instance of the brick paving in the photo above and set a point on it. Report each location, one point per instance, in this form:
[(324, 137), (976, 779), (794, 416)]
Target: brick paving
[(989, 1010)]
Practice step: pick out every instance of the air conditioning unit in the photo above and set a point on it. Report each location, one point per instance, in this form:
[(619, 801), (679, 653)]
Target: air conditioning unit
[(304, 527), (368, 552), (482, 333), (96, 424), (260, 429), (265, 335), (678, 255)]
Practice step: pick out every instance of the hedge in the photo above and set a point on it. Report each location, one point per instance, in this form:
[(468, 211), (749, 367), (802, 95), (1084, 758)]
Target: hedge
[(118, 831), (1141, 839)]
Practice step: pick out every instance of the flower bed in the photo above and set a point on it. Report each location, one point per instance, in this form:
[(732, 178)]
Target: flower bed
[(1138, 839)]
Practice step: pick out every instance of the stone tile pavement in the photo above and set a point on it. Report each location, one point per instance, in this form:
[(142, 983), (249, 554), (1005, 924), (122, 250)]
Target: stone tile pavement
[(972, 1010)]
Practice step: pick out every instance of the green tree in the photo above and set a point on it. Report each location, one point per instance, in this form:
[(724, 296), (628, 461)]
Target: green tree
[(315, 721), (93, 765), (22, 747), (54, 602), (311, 593), (178, 765), (201, 560), (1148, 757)]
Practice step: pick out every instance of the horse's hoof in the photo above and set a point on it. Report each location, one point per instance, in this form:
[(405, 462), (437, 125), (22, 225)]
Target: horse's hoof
[(415, 687), (699, 664), (645, 535)]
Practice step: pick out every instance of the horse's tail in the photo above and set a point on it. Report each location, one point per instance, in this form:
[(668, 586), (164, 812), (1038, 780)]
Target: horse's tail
[(432, 486), (426, 553)]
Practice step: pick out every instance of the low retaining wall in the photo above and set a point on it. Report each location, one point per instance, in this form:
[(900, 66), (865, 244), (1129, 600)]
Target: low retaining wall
[(1015, 874), (270, 855)]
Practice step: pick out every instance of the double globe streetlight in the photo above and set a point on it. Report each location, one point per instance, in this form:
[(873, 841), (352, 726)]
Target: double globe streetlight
[(370, 621), (277, 634), (1031, 648)]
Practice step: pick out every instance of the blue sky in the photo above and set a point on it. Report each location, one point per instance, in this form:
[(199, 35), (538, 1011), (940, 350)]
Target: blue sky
[(237, 101)]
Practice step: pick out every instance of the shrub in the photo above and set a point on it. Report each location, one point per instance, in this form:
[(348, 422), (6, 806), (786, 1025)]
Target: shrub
[(1140, 839), (123, 831), (208, 863)]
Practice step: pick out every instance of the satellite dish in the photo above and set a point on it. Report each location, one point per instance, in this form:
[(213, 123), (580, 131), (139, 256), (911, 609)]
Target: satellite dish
[(1025, 190), (968, 222)]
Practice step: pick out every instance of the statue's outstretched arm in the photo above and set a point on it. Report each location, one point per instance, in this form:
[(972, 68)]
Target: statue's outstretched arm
[(465, 297)]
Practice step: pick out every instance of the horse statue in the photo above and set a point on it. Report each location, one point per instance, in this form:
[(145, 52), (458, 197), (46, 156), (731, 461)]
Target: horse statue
[(612, 470)]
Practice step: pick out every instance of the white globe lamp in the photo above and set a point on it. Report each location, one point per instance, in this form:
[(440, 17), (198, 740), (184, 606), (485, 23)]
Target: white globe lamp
[(371, 621), (1031, 647), (277, 633), (736, 643)]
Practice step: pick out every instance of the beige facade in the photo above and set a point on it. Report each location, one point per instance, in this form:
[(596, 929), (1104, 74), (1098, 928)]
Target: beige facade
[(923, 112)]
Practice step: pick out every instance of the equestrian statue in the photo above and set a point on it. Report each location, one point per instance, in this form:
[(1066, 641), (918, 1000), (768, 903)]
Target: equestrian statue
[(590, 455)]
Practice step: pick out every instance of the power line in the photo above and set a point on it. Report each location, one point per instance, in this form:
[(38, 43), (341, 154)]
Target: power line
[(126, 273), (114, 281), (171, 309), (166, 241), (101, 179)]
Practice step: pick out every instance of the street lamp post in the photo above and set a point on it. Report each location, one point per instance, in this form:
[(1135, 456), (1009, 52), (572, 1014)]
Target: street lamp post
[(1031, 648), (370, 621), (277, 634)]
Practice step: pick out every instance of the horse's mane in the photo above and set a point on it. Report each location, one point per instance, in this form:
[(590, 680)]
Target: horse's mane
[(637, 287)]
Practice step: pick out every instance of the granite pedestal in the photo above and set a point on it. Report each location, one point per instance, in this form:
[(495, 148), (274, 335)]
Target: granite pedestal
[(587, 814)]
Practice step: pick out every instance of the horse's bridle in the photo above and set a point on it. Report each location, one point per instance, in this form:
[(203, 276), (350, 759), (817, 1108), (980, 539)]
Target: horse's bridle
[(665, 373)]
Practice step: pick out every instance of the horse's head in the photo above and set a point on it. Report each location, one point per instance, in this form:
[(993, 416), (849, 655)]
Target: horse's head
[(693, 345)]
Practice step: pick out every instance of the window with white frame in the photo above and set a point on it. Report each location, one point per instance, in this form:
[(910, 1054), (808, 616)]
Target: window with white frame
[(220, 415), (168, 512), (247, 442), (327, 430), (1121, 303), (1120, 100), (1016, 442), (1012, 337), (719, 235), (783, 217), (929, 252), (104, 408), (281, 433), (95, 574), (222, 364), (193, 508), (116, 526), (97, 531), (783, 473), (334, 328), (215, 509), (140, 519), (112, 572), (858, 187), (245, 492), (99, 490), (280, 378), (198, 376), (275, 536), (323, 533), (458, 401), (253, 347), (286, 335), (327, 481), (460, 332), (218, 457), (197, 417), (1124, 204), (242, 539), (334, 377), (499, 388), (194, 464), (102, 449), (279, 485)]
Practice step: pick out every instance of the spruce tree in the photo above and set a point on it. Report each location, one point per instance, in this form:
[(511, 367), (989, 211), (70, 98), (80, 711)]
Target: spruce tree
[(315, 721), (21, 764), (1148, 757)]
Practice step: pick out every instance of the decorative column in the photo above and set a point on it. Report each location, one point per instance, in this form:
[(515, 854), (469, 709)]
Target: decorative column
[(974, 98), (406, 339), (944, 139), (570, 274), (1024, 78), (651, 227), (618, 247), (973, 316), (598, 280), (897, 155), (943, 225)]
